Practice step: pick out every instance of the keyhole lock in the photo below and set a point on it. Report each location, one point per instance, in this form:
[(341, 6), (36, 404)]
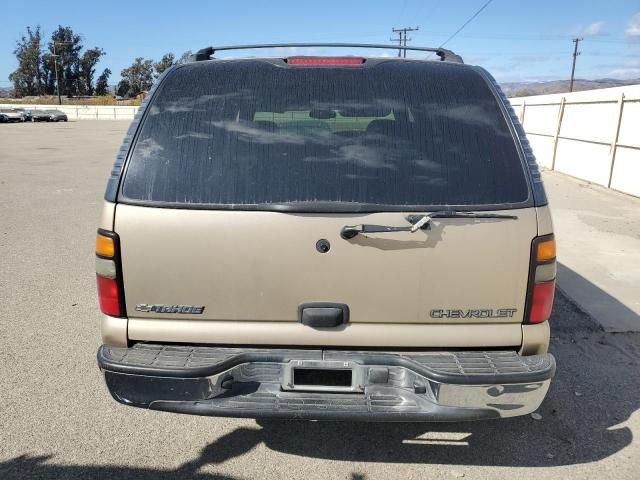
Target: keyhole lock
[(323, 245)]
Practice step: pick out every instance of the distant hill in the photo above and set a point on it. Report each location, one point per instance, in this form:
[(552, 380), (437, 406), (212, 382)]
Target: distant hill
[(5, 91), (524, 89)]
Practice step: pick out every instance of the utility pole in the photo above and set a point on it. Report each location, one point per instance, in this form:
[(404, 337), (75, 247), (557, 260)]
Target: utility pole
[(55, 63), (399, 32), (575, 41), (402, 38)]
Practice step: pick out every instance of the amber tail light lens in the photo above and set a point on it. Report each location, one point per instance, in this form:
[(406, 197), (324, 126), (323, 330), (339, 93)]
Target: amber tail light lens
[(542, 280), (109, 274), (105, 244)]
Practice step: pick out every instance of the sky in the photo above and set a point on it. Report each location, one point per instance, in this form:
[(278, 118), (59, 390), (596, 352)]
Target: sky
[(515, 41)]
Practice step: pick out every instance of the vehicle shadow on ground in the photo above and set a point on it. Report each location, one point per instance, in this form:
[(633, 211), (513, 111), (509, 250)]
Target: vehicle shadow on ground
[(595, 392), (38, 467)]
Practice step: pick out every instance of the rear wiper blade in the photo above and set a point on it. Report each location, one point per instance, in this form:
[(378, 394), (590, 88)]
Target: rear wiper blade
[(460, 214), (420, 222)]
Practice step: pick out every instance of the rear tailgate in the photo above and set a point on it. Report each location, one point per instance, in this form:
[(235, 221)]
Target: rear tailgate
[(232, 181), (260, 266)]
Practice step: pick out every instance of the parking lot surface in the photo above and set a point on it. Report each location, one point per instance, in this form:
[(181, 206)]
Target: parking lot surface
[(58, 422), (598, 234)]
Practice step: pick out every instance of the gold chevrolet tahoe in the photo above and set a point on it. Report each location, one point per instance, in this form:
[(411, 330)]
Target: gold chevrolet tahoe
[(344, 238)]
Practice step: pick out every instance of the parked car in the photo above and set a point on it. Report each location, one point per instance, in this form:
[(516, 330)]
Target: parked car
[(10, 115), (346, 238), (24, 114), (49, 116), (57, 116), (40, 116)]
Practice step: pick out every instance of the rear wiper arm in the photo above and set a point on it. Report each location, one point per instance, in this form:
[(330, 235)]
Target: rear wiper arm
[(419, 222), (460, 214)]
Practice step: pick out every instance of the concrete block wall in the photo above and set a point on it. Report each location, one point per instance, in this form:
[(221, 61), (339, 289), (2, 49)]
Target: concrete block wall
[(592, 135)]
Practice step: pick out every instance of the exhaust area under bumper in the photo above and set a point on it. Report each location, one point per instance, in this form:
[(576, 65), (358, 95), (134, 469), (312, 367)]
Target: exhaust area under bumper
[(327, 384)]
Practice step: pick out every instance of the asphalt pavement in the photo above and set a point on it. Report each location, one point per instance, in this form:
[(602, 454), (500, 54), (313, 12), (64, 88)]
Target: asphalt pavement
[(57, 420)]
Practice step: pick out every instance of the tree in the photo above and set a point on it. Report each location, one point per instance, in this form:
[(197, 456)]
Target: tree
[(184, 58), (102, 85), (36, 72), (87, 69), (123, 88), (27, 78), (66, 47), (138, 77), (166, 62)]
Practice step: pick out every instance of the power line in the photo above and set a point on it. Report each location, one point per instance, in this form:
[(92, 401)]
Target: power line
[(402, 37), (466, 23), (550, 37), (576, 41)]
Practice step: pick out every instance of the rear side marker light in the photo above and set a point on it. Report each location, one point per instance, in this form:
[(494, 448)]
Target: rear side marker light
[(109, 274), (542, 280), (325, 60)]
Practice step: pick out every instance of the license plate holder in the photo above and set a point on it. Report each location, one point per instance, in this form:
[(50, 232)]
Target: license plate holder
[(322, 376)]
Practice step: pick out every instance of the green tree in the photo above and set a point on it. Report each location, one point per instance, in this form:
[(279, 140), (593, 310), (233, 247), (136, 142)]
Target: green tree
[(123, 88), (36, 72), (136, 78), (166, 62), (27, 78), (184, 58), (87, 69), (64, 48), (102, 84), (67, 46)]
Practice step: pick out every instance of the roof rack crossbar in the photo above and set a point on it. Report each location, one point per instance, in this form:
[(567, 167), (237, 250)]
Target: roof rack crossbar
[(444, 54)]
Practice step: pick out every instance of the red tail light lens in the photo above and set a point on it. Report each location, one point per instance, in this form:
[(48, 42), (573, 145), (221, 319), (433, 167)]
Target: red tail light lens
[(542, 280), (108, 296), (108, 274), (325, 60), (542, 301)]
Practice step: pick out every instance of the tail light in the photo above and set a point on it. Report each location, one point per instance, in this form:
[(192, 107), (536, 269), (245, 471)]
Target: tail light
[(109, 274), (325, 60), (542, 280)]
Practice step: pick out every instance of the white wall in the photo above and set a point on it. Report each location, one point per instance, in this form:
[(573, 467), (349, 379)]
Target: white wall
[(84, 112), (593, 135)]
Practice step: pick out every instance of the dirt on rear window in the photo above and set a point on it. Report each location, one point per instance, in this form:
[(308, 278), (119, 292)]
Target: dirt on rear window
[(397, 134)]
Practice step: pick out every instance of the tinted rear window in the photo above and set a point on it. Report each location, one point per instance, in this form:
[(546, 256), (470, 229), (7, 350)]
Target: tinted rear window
[(397, 134)]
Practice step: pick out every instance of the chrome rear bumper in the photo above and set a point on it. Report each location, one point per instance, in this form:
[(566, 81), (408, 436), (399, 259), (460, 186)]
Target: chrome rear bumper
[(389, 386)]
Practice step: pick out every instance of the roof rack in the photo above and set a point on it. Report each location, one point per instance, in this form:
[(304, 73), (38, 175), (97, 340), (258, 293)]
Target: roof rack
[(444, 54)]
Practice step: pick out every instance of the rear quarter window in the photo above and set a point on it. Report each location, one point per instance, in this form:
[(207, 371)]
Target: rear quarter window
[(254, 134)]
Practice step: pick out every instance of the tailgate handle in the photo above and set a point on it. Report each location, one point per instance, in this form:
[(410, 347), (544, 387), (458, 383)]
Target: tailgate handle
[(323, 315)]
